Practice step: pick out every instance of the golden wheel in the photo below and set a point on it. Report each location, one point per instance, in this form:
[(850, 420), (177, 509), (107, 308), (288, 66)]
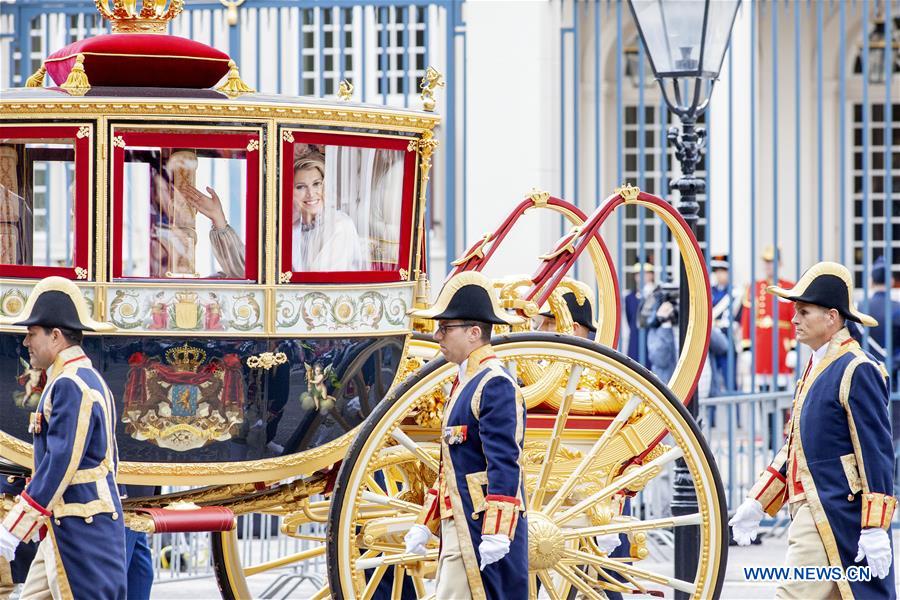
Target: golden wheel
[(578, 468)]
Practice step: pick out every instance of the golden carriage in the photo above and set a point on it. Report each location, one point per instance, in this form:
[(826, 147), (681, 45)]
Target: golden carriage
[(267, 379)]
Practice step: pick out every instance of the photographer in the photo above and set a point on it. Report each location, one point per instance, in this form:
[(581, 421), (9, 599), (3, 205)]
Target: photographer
[(659, 315)]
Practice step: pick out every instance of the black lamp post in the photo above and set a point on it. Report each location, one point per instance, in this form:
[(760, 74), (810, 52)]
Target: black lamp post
[(686, 42)]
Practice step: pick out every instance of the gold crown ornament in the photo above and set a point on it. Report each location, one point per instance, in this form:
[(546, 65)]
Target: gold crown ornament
[(152, 17), (185, 358)]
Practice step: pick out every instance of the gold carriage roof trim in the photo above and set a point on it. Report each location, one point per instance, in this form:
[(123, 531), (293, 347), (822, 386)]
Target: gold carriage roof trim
[(824, 268)]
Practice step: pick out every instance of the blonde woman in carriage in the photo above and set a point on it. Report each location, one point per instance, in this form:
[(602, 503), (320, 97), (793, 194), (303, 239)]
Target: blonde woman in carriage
[(325, 239)]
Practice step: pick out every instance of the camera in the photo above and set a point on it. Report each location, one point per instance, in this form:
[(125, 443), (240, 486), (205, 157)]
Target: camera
[(667, 292)]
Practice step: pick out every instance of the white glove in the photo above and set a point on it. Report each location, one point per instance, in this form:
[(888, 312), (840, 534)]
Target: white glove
[(608, 542), (875, 546), (8, 544), (745, 522), (790, 359), (492, 548), (416, 538)]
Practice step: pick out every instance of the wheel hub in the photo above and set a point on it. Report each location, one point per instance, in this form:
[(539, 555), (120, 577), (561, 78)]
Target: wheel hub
[(546, 544)]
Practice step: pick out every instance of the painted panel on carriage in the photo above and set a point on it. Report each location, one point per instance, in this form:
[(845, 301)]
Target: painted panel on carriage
[(219, 400), (185, 203), (44, 189), (347, 207), (356, 310), (157, 309)]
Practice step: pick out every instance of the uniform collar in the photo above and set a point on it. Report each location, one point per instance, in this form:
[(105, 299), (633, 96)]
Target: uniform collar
[(69, 355), (473, 362), (837, 345)]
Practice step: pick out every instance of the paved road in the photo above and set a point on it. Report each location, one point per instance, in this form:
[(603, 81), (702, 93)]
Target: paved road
[(769, 553)]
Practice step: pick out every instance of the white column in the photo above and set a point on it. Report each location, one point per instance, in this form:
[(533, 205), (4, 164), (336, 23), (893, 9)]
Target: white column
[(738, 135), (512, 69)]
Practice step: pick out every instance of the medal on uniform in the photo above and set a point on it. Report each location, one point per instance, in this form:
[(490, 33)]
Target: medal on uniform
[(455, 434), (34, 423)]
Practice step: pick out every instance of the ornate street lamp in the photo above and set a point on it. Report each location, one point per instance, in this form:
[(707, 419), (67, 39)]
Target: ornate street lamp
[(686, 41)]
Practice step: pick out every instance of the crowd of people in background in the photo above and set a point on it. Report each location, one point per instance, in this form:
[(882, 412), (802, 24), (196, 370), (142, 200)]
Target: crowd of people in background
[(752, 344)]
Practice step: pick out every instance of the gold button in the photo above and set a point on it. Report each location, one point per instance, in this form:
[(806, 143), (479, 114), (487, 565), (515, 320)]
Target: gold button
[(57, 521), (10, 479), (474, 516), (89, 520), (850, 497), (115, 516)]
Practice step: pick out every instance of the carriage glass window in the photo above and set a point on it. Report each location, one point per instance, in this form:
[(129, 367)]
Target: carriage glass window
[(343, 209), (45, 178), (188, 204), (37, 201)]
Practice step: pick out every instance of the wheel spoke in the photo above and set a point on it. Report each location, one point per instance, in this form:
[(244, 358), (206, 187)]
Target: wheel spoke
[(419, 584), (547, 583), (397, 588), (394, 502), (364, 564), (285, 560), (617, 423), (614, 565), (374, 580), (608, 584), (324, 592), (562, 415), (374, 485), (407, 442), (622, 481), (627, 526), (570, 574)]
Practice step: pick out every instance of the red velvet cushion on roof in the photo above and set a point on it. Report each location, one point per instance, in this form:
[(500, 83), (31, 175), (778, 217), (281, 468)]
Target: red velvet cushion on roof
[(141, 60)]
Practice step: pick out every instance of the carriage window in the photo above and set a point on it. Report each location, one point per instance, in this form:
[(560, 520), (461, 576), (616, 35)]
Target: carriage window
[(37, 202), (345, 208), (186, 208)]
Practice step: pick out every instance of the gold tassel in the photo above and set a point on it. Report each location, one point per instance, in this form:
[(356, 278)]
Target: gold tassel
[(77, 82), (37, 80), (234, 86)]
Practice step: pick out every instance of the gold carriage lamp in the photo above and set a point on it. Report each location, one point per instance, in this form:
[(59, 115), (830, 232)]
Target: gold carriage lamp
[(139, 53)]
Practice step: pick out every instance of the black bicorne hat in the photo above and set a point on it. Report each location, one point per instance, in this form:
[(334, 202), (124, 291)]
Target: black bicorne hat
[(829, 285), (57, 302), (468, 296), (581, 313)]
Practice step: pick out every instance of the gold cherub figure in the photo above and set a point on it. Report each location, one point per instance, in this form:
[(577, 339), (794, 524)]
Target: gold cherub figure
[(433, 79)]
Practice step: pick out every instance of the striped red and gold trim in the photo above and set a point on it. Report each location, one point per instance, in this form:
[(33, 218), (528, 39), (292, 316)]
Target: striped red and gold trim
[(501, 516), (877, 510), (25, 518), (770, 490), (430, 513)]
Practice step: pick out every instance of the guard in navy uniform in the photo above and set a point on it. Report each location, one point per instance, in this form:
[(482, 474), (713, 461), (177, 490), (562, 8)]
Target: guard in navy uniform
[(477, 504), (72, 501), (583, 324), (835, 470)]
